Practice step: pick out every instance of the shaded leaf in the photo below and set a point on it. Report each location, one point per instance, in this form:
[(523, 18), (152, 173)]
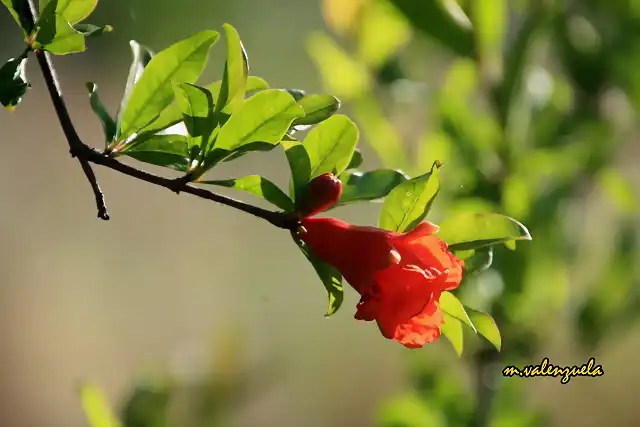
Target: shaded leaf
[(90, 30), (451, 328), (13, 82), (331, 278), (264, 117), (258, 186), (330, 146), (56, 34), (108, 125), (300, 167), (409, 203), (196, 104), (468, 230), (96, 407), (356, 160), (486, 326), (13, 6), (236, 71), (317, 108), (183, 61), (169, 151), (475, 261), (453, 307), (373, 185), (297, 94), (247, 148)]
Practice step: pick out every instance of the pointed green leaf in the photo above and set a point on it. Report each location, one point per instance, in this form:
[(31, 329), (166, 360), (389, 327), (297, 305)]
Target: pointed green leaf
[(264, 117), (330, 145), (356, 160), (451, 328), (331, 278), (486, 326), (317, 108), (13, 6), (409, 203), (183, 61), (475, 261), (108, 125), (96, 407), (72, 11), (170, 151), (236, 71), (258, 186), (90, 30), (300, 167), (475, 230), (196, 104), (453, 307), (373, 185), (13, 82), (57, 35)]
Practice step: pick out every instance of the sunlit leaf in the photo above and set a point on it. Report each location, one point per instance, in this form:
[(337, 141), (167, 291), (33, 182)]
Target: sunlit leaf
[(170, 151), (486, 326), (383, 30), (468, 230), (196, 104), (13, 82), (409, 202), (183, 61), (96, 407), (72, 11), (236, 71), (330, 145), (57, 35), (316, 109), (452, 306), (108, 125), (373, 185), (451, 328), (258, 186)]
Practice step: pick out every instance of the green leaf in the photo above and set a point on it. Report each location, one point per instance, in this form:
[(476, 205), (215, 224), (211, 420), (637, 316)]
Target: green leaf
[(13, 6), (453, 307), (300, 167), (13, 82), (330, 145), (475, 261), (486, 326), (236, 71), (183, 61), (96, 407), (373, 185), (297, 94), (409, 203), (90, 30), (442, 20), (451, 328), (258, 186), (264, 117), (489, 23), (356, 160), (468, 230), (108, 125), (72, 11), (57, 35), (170, 151), (253, 146), (317, 108), (196, 104), (141, 57), (331, 278)]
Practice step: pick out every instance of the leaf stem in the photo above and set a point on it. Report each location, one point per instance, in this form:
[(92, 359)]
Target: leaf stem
[(87, 155)]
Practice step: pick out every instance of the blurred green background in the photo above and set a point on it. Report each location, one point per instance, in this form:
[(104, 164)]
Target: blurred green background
[(534, 113)]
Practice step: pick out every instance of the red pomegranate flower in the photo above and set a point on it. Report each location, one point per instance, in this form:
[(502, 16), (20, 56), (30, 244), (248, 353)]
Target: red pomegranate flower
[(399, 276)]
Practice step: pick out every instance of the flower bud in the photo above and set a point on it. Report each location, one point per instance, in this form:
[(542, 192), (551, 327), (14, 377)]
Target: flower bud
[(322, 192)]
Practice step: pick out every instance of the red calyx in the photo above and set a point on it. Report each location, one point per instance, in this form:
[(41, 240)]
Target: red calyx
[(322, 192)]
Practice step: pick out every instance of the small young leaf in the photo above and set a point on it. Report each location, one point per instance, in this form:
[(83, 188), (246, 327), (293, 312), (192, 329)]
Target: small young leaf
[(317, 108), (72, 11), (373, 185), (196, 104), (13, 82), (451, 328), (356, 160), (452, 306), (96, 407), (170, 151), (108, 125), (141, 57), (236, 71), (475, 230), (300, 167), (90, 30), (331, 278), (183, 61), (13, 6), (409, 203), (264, 117), (330, 145), (486, 326), (258, 186), (57, 35)]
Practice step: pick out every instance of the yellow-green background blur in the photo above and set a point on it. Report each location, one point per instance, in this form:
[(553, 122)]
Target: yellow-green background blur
[(170, 278)]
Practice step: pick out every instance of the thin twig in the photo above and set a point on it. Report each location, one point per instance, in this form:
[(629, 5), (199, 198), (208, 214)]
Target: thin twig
[(87, 155)]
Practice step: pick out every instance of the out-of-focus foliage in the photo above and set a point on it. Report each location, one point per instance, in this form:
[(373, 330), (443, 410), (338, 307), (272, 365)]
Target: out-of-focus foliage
[(537, 102)]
